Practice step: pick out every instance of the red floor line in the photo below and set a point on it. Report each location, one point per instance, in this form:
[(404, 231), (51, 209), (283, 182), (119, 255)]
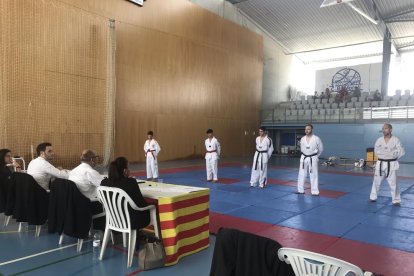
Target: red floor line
[(371, 257), (122, 250), (134, 272)]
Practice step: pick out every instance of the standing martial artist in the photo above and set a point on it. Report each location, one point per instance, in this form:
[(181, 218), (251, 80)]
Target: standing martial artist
[(152, 148), (212, 156), (311, 148), (264, 150), (389, 150)]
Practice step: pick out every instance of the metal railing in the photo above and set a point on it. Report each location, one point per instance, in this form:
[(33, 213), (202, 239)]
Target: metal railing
[(338, 115)]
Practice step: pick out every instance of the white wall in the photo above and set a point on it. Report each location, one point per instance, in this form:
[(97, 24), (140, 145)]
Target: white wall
[(370, 76), (276, 65)]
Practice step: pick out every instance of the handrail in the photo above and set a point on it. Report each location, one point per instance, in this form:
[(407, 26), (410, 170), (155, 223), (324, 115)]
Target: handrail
[(338, 115)]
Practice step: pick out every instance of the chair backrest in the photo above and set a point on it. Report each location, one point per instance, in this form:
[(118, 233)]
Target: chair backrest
[(309, 263), (115, 202), (27, 200), (69, 210)]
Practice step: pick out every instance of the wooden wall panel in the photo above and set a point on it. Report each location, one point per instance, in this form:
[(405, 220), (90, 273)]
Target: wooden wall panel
[(178, 79), (180, 69), (53, 78)]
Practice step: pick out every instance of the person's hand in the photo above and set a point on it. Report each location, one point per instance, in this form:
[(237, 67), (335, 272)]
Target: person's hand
[(16, 166)]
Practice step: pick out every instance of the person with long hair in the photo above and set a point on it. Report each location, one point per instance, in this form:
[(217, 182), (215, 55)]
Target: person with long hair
[(7, 163), (118, 177)]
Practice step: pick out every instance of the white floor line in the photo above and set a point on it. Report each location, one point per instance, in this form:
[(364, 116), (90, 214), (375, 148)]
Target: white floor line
[(38, 254)]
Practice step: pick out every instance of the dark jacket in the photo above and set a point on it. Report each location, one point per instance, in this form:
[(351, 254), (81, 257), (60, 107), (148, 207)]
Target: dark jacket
[(139, 219), (26, 200), (69, 210), (238, 253), (5, 176)]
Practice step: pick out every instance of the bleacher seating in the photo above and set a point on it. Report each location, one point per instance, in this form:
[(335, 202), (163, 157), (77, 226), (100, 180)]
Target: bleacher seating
[(354, 108), (383, 103), (402, 102)]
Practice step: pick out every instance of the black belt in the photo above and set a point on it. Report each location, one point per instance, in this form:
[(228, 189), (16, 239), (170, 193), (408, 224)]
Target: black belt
[(308, 156), (388, 164), (257, 159), (152, 153)]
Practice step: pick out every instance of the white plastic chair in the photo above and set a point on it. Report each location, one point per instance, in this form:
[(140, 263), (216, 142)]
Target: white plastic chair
[(306, 263), (116, 202)]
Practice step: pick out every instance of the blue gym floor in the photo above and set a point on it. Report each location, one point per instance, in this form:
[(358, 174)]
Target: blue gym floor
[(340, 222)]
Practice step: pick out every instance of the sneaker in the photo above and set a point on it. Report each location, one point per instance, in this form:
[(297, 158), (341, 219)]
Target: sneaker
[(397, 204), (208, 180), (215, 181), (262, 186), (299, 193), (372, 200)]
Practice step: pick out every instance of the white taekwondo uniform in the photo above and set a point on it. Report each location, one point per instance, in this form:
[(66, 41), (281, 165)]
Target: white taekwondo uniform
[(386, 166), (152, 148), (264, 150), (212, 155), (309, 162)]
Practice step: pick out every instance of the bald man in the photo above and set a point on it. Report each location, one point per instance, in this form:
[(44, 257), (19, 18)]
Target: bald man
[(388, 149), (86, 178)]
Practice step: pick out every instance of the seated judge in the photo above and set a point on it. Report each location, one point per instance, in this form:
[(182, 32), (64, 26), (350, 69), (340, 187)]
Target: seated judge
[(86, 178), (118, 177), (40, 168), (7, 164)]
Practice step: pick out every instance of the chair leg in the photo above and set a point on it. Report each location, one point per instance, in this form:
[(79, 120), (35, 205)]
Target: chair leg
[(154, 222), (112, 238), (124, 239), (38, 228), (104, 242), (20, 227), (131, 246), (61, 238), (7, 220), (79, 245)]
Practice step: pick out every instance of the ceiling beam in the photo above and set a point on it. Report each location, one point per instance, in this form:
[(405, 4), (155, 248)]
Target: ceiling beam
[(399, 14), (396, 20), (382, 27)]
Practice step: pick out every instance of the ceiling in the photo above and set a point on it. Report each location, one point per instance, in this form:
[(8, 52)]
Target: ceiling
[(302, 26)]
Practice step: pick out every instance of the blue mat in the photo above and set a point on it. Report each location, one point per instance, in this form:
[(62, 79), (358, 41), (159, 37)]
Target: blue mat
[(399, 212), (288, 205), (387, 237), (224, 207), (326, 220), (359, 203), (391, 222)]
